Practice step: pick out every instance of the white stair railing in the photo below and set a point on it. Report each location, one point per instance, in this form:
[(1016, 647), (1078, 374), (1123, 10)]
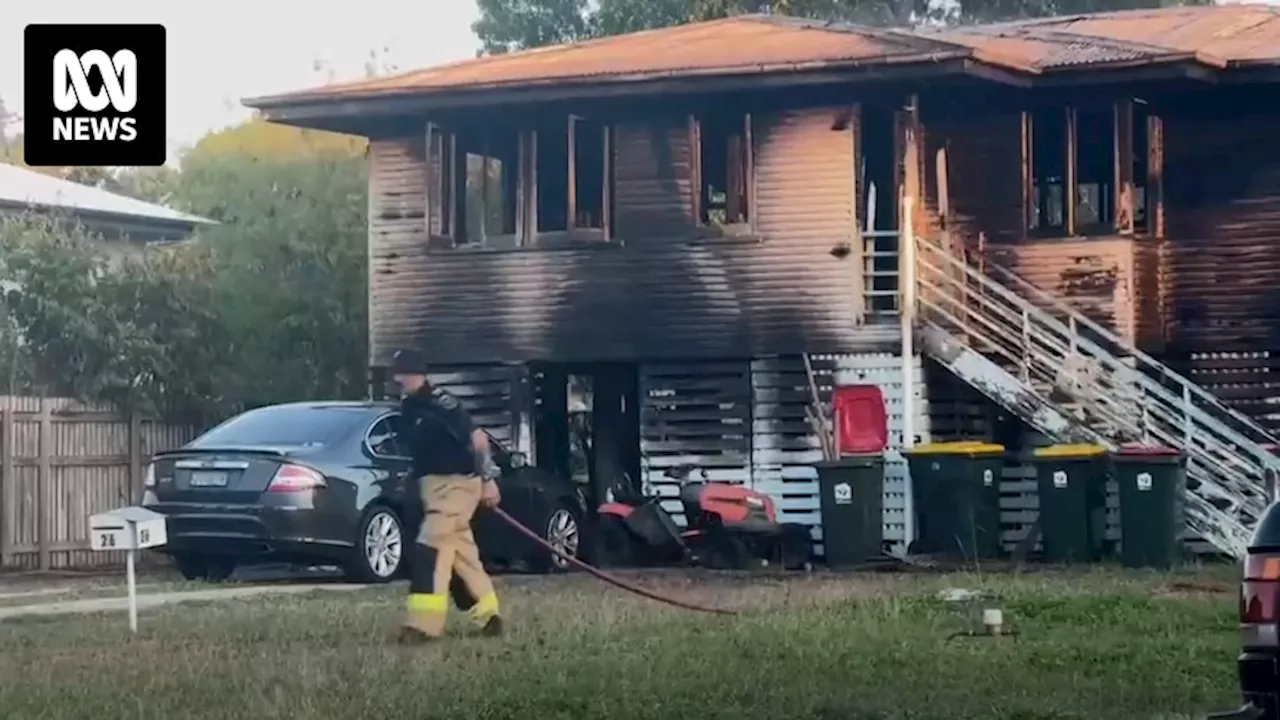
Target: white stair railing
[(1116, 392)]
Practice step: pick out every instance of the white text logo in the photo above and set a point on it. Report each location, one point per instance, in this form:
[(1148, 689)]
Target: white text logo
[(71, 90)]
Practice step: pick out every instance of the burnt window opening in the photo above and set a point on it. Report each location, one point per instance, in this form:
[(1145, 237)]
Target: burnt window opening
[(552, 183), (877, 197), (487, 172), (441, 147), (1141, 166), (1047, 207), (1095, 170), (503, 189), (589, 160), (1083, 164), (573, 175), (724, 169)]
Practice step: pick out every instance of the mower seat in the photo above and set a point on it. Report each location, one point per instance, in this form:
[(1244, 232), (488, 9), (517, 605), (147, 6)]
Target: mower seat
[(680, 473)]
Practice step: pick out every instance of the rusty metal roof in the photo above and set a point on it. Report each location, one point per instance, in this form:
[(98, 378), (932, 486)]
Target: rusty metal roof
[(1219, 36), (740, 44)]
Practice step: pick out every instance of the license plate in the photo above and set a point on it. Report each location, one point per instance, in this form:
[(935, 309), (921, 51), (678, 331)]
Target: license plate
[(208, 479)]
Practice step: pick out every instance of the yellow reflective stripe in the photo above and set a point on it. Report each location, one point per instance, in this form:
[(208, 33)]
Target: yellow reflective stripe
[(428, 602), (484, 609)]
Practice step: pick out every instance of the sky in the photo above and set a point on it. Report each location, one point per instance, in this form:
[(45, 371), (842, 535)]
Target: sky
[(221, 52)]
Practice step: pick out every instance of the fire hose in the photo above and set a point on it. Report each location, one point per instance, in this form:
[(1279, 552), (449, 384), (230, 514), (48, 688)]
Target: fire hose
[(604, 576)]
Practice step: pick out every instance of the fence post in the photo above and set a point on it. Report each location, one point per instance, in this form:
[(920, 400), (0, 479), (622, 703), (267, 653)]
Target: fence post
[(135, 457), (44, 479), (8, 512)]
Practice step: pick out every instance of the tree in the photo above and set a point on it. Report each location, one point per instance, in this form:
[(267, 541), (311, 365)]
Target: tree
[(268, 306), (127, 329), (257, 139), (290, 269)]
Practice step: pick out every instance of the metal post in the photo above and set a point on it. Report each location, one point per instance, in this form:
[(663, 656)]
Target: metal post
[(132, 580), (907, 316), (1026, 346), (1187, 427)]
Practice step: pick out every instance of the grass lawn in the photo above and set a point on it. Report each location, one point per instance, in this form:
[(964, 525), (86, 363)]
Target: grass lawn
[(1097, 644)]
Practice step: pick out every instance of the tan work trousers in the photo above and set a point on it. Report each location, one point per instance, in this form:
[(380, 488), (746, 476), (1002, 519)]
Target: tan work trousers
[(446, 560)]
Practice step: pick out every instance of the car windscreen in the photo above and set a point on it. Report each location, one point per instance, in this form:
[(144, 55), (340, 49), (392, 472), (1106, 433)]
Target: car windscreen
[(284, 426)]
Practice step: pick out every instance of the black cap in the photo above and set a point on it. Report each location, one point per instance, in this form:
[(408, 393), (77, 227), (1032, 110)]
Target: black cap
[(408, 362)]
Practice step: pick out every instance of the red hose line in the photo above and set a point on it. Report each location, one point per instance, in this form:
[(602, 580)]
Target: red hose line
[(606, 577)]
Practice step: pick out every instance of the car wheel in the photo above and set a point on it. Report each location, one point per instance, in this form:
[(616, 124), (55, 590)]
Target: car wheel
[(561, 528), (379, 546), (204, 568)]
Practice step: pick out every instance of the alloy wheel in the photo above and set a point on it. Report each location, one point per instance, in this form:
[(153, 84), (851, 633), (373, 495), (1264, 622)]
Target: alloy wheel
[(563, 534), (383, 544)]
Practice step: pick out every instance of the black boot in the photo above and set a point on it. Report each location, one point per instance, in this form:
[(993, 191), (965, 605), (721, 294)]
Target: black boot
[(493, 628), (413, 637)]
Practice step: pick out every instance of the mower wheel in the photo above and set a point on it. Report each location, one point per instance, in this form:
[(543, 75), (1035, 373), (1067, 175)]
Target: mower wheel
[(614, 546), (797, 547), (727, 551)]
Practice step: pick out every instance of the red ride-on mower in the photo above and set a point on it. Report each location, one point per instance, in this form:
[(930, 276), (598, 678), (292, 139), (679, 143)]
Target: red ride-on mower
[(727, 527)]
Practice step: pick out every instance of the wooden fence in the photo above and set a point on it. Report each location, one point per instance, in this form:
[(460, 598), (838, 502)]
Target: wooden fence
[(60, 462)]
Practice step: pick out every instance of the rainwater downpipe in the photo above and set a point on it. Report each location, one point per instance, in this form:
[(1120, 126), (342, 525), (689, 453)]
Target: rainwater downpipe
[(907, 318)]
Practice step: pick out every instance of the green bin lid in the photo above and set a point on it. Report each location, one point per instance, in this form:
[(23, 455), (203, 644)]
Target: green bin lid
[(1081, 450), (960, 447)]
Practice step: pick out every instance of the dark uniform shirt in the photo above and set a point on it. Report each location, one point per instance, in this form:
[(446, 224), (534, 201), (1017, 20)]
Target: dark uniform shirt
[(438, 431)]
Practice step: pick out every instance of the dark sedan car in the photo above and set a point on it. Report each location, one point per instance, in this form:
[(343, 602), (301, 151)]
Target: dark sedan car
[(327, 483)]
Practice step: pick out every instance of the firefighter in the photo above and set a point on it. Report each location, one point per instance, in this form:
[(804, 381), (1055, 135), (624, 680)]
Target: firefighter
[(455, 474)]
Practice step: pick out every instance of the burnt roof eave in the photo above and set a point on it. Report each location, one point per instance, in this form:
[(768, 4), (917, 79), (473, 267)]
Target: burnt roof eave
[(1173, 67), (285, 109)]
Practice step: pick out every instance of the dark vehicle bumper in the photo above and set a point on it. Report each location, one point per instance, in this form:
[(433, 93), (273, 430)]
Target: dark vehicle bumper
[(1259, 672), (250, 531)]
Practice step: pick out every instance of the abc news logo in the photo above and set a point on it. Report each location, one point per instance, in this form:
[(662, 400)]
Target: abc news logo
[(72, 91), (95, 95)]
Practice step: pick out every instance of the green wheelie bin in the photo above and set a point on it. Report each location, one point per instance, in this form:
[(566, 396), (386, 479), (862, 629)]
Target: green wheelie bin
[(851, 504), (1153, 485), (955, 487), (1072, 484)]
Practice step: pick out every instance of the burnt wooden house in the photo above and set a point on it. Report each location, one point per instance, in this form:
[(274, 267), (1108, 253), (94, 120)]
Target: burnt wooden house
[(682, 219)]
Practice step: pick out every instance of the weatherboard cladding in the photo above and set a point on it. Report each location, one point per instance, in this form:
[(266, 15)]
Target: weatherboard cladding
[(1222, 310), (744, 422), (659, 291)]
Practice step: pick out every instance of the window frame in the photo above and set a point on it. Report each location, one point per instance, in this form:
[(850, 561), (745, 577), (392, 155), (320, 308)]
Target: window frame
[(499, 452), (696, 139), (368, 434), (446, 202), (1124, 186)]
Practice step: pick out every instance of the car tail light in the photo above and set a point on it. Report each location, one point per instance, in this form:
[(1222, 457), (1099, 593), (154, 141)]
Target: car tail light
[(149, 476), (1260, 599), (294, 478)]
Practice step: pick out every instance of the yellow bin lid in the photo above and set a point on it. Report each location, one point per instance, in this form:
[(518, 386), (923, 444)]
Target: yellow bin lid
[(959, 447), (1080, 450)]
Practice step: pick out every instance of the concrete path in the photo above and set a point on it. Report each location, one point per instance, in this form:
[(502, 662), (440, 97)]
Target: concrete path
[(112, 604)]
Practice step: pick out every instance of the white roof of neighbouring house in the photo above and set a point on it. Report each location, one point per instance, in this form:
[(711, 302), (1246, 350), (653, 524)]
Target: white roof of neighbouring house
[(21, 186)]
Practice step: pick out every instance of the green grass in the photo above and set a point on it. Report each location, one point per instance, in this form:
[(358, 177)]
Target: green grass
[(1099, 645), (96, 588)]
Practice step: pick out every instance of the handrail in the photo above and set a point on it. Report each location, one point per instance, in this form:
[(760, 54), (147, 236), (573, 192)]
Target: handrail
[(1254, 447), (1119, 388), (879, 286), (1031, 289)]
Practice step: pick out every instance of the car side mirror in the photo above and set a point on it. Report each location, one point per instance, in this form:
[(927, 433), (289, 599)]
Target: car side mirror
[(519, 460)]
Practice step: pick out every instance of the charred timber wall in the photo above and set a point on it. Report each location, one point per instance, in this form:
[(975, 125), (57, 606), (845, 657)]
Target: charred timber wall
[(658, 289), (1097, 276), (1223, 259)]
